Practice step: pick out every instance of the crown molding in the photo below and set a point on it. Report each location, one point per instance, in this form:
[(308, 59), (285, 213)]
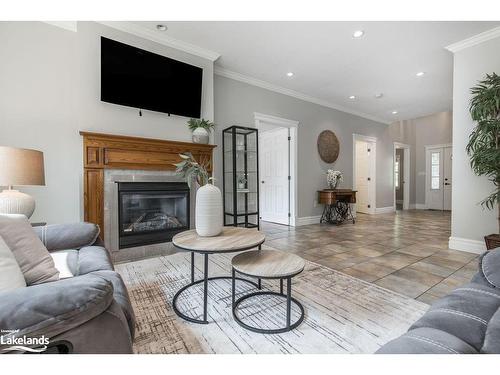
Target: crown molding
[(295, 94), (474, 40), (164, 39), (67, 25)]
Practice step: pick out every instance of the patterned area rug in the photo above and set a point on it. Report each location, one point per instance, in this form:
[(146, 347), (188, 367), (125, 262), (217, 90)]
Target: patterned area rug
[(342, 314)]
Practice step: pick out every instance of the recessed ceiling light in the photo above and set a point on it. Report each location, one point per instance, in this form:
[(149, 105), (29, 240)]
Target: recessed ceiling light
[(420, 74), (358, 33), (379, 95), (290, 74), (161, 27), (352, 97), (394, 112)]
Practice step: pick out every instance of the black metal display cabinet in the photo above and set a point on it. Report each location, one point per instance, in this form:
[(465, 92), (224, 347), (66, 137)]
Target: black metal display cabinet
[(240, 159)]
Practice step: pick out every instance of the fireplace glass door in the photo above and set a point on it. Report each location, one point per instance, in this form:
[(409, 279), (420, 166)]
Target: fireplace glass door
[(152, 212)]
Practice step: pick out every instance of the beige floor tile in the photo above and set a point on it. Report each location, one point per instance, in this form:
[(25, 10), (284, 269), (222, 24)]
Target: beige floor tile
[(406, 287), (434, 269), (396, 260), (421, 277)]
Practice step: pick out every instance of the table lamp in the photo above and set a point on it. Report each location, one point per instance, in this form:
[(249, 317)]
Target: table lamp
[(19, 166)]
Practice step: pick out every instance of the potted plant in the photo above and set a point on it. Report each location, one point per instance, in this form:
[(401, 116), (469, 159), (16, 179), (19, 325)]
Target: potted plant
[(484, 142), (201, 129), (208, 209), (333, 178), (242, 181)]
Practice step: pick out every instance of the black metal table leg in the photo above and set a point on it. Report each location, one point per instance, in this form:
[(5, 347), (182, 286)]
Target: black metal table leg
[(281, 286), (192, 267), (259, 284), (233, 287), (205, 288), (288, 301)]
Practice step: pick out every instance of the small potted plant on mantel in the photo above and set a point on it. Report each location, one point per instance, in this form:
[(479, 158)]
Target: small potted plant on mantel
[(484, 142), (208, 209), (201, 129)]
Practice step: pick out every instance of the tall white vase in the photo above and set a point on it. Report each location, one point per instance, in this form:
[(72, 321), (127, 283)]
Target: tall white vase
[(208, 211)]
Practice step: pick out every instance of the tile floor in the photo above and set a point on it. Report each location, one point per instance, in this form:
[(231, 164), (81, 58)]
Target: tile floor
[(406, 251)]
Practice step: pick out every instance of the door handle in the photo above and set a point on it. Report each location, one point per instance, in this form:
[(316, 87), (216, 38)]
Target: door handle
[(369, 179), (447, 183), (262, 182)]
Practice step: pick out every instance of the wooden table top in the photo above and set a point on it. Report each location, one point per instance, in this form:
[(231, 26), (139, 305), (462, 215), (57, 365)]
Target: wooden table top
[(231, 239), (268, 263)]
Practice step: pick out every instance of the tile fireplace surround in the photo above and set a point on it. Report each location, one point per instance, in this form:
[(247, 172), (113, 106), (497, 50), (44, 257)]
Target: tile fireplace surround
[(111, 176)]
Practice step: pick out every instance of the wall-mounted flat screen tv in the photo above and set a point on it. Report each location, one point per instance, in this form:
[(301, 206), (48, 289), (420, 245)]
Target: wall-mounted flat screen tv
[(137, 78)]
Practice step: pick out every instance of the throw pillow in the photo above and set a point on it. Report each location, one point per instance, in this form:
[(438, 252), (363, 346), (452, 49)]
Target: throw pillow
[(33, 258), (11, 276)]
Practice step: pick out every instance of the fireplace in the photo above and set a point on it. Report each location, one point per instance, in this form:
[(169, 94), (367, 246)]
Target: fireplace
[(151, 212)]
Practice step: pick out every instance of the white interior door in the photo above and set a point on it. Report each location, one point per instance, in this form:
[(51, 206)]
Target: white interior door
[(364, 200), (273, 171), (447, 156), (439, 178)]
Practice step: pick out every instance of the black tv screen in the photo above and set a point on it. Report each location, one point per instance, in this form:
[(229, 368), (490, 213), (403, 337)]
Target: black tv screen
[(137, 78)]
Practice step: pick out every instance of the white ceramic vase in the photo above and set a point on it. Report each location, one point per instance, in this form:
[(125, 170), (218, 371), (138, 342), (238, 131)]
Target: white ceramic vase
[(208, 211), (15, 202), (200, 135)]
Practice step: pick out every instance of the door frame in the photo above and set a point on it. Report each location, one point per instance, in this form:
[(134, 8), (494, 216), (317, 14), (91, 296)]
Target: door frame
[(373, 167), (292, 126), (406, 175), (428, 169)]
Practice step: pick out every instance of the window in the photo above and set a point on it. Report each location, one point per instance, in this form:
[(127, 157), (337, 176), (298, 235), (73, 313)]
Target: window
[(435, 183), (396, 172)]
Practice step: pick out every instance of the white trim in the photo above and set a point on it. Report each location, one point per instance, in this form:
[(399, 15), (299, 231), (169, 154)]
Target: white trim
[(373, 167), (161, 38), (307, 220), (406, 177), (464, 244), (292, 125), (66, 25), (384, 210), (474, 40), (442, 145), (295, 94)]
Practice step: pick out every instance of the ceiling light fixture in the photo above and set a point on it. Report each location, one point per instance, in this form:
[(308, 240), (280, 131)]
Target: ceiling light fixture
[(358, 33), (420, 74), (394, 112), (290, 74), (161, 27), (352, 97), (379, 95)]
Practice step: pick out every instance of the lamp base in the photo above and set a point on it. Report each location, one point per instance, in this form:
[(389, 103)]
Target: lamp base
[(15, 202)]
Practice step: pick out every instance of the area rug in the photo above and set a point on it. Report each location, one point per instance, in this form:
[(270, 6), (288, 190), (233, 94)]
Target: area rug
[(342, 314)]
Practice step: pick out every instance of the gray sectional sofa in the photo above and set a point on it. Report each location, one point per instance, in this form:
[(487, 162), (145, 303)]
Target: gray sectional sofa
[(89, 311), (467, 321)]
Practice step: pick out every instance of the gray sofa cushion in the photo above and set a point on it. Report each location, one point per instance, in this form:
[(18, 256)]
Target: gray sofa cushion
[(492, 338), (67, 236), (427, 341), (464, 313), (489, 267), (52, 308), (121, 296), (93, 258)]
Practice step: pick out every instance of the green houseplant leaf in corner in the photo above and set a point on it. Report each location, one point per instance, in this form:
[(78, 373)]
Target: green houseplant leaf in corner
[(484, 142), (201, 129), (208, 208)]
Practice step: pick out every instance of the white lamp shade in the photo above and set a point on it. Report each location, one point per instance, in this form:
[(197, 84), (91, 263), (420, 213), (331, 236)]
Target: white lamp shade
[(19, 166)]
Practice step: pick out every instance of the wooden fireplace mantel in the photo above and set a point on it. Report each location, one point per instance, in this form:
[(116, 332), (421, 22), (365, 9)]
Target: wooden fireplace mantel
[(106, 151)]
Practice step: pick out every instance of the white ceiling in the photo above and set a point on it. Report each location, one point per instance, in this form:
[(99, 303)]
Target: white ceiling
[(330, 65)]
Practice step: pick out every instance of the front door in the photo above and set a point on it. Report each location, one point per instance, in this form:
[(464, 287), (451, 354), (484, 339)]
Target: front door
[(273, 171), (438, 179)]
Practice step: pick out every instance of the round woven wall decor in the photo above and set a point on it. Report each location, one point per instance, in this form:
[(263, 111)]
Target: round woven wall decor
[(328, 146)]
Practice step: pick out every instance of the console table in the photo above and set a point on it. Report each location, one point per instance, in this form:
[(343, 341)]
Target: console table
[(232, 239), (337, 203)]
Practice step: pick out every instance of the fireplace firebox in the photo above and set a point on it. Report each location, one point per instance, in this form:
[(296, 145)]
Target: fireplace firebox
[(151, 212)]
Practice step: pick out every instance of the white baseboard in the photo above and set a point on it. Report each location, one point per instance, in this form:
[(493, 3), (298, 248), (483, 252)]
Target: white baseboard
[(464, 244), (307, 220), (420, 206), (384, 210)]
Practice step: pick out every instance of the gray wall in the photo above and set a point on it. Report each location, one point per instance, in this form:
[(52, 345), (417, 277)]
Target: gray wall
[(50, 90), (420, 132), (469, 221), (236, 102)]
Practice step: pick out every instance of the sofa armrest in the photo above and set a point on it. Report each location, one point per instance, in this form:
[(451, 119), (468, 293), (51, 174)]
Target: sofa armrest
[(52, 308), (67, 236)]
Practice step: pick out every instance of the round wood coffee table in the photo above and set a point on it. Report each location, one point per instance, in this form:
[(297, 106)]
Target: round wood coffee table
[(232, 239), (268, 264)]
